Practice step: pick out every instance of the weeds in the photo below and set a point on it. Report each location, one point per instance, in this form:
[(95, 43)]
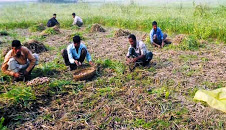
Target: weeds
[(116, 66), (202, 21), (37, 27), (19, 95), (2, 127)]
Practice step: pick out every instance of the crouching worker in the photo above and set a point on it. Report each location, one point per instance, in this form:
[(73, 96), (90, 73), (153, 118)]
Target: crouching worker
[(75, 54), (138, 52), (157, 38), (19, 62), (77, 20)]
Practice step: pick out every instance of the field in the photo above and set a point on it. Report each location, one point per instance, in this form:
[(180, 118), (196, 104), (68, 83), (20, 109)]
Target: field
[(155, 97)]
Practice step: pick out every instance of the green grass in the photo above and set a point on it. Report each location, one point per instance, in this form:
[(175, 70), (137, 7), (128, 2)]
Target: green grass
[(19, 95), (200, 20), (37, 27), (2, 119)]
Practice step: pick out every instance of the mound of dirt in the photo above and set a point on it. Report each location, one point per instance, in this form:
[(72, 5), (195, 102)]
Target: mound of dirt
[(50, 31), (35, 46), (121, 32), (38, 81), (178, 39), (97, 28)]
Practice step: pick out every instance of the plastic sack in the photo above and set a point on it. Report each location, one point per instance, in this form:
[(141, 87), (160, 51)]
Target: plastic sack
[(215, 98)]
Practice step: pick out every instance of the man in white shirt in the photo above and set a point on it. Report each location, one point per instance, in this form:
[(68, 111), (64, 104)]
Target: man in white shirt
[(138, 52), (77, 20)]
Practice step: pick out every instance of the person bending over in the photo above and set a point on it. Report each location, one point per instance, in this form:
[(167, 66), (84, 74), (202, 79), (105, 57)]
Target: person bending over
[(138, 52), (75, 54), (157, 38), (53, 21), (77, 20), (19, 62)]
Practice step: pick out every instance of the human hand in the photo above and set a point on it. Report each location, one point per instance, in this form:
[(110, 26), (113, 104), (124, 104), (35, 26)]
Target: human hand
[(16, 75), (76, 62), (135, 59), (91, 63)]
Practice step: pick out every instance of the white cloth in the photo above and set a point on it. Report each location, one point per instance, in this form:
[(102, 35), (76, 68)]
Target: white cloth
[(76, 19), (16, 67), (140, 49)]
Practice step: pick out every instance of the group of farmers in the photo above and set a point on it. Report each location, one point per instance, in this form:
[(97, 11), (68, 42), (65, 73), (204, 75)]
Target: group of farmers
[(19, 61)]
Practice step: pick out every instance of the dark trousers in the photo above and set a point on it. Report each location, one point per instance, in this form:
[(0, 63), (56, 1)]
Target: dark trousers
[(159, 41), (66, 59), (145, 60), (79, 24)]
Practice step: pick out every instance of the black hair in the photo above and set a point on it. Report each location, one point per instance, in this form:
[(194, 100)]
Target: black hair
[(16, 43), (54, 14), (133, 37), (76, 39), (73, 14), (154, 23)]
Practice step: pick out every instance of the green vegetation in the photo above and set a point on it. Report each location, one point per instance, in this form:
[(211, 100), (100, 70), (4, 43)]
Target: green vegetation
[(2, 119), (37, 27), (200, 20), (19, 95), (49, 31)]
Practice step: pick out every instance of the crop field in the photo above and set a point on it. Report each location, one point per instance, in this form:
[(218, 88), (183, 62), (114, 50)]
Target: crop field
[(155, 97)]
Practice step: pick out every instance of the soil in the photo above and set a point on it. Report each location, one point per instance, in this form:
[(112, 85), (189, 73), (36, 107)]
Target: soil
[(180, 71), (121, 32), (178, 39), (97, 28), (35, 46)]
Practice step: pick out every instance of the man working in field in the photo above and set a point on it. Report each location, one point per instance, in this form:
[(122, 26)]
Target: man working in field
[(77, 20), (19, 62), (156, 36), (138, 52), (53, 21), (76, 53)]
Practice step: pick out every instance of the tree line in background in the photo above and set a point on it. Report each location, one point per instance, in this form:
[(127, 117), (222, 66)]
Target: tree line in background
[(58, 1)]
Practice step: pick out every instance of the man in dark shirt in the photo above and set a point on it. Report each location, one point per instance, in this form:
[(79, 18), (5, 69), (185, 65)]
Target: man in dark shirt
[(52, 22)]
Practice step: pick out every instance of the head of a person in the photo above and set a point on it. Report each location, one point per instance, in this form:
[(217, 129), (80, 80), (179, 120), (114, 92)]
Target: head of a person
[(77, 41), (54, 15), (73, 15), (154, 25), (16, 46), (132, 39)]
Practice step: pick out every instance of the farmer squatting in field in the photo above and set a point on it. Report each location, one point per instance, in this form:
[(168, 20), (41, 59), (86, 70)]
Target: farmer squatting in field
[(76, 53), (138, 52), (53, 21), (19, 62), (157, 38), (77, 20)]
